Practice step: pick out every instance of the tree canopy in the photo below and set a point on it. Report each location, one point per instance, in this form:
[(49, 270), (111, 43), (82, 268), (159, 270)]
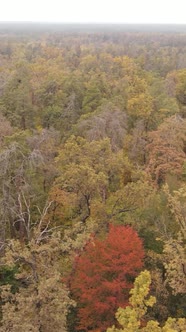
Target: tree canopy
[(92, 178)]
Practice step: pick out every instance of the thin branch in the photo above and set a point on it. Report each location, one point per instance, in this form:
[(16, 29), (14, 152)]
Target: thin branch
[(123, 211)]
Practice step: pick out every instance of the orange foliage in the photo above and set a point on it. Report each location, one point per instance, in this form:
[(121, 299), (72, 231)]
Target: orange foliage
[(103, 276)]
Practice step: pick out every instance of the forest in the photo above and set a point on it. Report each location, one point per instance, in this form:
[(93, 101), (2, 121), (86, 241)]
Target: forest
[(92, 178)]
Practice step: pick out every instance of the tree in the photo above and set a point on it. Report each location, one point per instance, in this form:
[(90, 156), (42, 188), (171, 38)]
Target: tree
[(96, 90), (175, 265), (164, 102), (5, 128), (107, 121), (17, 103), (131, 318), (181, 86), (41, 301), (140, 106), (85, 169), (27, 171), (174, 248), (135, 143), (96, 183), (176, 86), (103, 274), (166, 150)]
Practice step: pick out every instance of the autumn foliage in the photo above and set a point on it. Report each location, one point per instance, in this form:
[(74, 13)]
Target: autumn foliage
[(103, 276), (92, 133), (167, 149)]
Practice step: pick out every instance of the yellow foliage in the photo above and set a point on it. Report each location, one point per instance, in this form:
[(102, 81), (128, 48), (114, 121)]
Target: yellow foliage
[(131, 317)]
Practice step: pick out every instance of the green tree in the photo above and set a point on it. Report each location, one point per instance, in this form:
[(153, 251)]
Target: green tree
[(96, 90), (16, 102)]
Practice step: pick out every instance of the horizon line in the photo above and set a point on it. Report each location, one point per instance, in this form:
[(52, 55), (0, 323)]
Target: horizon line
[(78, 22)]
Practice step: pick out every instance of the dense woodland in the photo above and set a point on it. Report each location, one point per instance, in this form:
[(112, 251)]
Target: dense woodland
[(92, 179)]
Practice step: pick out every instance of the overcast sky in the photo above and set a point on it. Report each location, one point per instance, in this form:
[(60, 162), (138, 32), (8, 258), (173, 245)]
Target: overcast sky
[(100, 11)]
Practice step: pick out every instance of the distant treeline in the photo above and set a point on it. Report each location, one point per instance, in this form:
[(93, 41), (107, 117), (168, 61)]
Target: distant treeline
[(89, 27)]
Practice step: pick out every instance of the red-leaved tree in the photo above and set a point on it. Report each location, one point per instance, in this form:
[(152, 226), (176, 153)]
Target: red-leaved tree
[(103, 276)]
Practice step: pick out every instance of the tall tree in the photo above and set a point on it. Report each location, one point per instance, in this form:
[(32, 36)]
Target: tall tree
[(41, 301), (103, 274), (174, 248), (166, 150), (17, 103)]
